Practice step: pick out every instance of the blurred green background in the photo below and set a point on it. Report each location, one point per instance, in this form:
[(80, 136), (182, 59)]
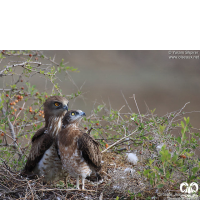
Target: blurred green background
[(162, 83)]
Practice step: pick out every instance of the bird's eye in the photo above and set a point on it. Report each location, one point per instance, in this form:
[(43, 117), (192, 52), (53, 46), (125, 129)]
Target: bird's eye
[(56, 104), (73, 113)]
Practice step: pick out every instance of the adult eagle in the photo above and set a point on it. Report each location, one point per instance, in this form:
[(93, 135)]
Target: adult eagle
[(79, 152), (43, 159)]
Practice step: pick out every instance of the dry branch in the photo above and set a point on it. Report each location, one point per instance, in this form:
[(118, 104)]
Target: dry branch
[(119, 141), (11, 127)]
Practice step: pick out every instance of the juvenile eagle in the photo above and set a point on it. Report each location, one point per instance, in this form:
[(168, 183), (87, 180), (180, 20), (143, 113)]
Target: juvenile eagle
[(79, 152), (43, 158)]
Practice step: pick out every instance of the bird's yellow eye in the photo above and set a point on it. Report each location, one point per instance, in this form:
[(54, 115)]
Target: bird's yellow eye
[(56, 104), (73, 113)]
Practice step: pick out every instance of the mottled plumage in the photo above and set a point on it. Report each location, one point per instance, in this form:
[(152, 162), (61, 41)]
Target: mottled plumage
[(79, 152), (43, 158)]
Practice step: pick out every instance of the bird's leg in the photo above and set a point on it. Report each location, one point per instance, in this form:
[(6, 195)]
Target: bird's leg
[(83, 183), (77, 182), (65, 180)]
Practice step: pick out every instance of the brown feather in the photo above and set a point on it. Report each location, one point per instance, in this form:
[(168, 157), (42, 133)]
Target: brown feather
[(90, 150), (79, 152), (48, 106), (86, 143), (38, 134), (41, 143)]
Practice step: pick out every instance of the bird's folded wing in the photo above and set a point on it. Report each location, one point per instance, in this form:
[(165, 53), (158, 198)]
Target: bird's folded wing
[(90, 150), (39, 133), (40, 144)]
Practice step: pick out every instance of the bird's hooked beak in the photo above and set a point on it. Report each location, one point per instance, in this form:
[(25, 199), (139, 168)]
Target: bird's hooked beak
[(65, 107), (81, 113)]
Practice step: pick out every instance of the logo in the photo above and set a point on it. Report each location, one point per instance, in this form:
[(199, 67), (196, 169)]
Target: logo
[(189, 189)]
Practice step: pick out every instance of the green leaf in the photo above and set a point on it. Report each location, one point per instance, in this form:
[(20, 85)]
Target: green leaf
[(188, 120), (184, 136), (178, 139), (182, 124), (174, 158), (41, 72), (162, 128), (152, 111), (194, 170), (160, 186), (161, 171), (151, 161), (139, 172), (146, 171), (167, 174)]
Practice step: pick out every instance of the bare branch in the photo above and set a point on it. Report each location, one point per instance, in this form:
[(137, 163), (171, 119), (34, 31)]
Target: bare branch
[(119, 141), (170, 123), (11, 127), (137, 107), (126, 102)]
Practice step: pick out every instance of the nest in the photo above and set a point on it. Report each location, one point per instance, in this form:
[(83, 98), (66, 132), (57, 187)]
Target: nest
[(120, 178)]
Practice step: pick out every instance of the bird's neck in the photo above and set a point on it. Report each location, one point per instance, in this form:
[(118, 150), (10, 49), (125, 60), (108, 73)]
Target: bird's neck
[(72, 126), (54, 125)]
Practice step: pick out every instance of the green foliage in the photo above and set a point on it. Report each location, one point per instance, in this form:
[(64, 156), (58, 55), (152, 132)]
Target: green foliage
[(22, 101), (161, 170)]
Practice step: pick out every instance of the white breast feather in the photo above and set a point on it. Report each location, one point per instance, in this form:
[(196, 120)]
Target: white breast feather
[(50, 165)]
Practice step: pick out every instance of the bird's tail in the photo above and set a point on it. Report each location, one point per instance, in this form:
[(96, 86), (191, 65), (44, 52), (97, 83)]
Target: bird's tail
[(94, 177), (29, 175)]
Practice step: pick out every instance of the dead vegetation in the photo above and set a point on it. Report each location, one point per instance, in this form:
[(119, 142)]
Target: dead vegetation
[(120, 179)]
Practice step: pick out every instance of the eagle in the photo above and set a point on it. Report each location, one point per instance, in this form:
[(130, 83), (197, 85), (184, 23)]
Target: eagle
[(79, 152), (43, 159)]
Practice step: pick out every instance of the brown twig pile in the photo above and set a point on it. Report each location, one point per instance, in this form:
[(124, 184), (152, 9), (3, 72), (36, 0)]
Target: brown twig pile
[(116, 182)]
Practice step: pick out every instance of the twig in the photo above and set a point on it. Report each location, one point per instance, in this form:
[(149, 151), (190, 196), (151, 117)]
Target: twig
[(106, 174), (119, 141), (65, 190), (119, 113), (19, 113), (122, 149), (126, 102), (90, 130), (12, 131), (175, 117), (31, 189), (137, 106)]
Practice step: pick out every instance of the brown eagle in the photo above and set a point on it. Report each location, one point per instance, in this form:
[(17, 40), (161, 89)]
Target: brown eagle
[(43, 159), (79, 152)]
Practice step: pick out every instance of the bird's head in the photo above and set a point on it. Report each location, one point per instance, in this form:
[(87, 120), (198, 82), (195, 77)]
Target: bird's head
[(55, 106), (73, 117)]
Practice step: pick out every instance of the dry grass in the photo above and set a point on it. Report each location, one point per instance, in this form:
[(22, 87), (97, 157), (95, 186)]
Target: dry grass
[(116, 182)]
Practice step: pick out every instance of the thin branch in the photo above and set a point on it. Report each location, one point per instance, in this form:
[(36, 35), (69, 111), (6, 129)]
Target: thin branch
[(119, 141), (170, 123), (11, 127), (137, 106), (126, 102), (19, 113)]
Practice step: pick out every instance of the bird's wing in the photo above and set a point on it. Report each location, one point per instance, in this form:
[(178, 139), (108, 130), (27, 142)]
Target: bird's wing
[(40, 144), (39, 133), (90, 151)]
